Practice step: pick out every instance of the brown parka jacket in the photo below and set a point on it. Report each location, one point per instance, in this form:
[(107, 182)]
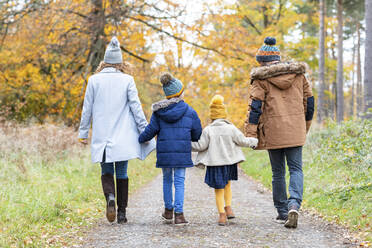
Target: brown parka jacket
[(281, 105)]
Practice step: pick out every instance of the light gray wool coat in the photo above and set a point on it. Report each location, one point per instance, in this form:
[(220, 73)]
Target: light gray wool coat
[(220, 144), (111, 102)]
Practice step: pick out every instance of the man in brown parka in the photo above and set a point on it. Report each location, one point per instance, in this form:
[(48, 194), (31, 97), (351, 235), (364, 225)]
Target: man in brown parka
[(281, 107)]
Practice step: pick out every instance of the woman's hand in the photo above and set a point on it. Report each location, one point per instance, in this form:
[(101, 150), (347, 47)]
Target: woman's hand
[(83, 141)]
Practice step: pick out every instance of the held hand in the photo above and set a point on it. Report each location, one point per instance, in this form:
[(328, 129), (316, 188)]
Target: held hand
[(254, 143), (83, 141)]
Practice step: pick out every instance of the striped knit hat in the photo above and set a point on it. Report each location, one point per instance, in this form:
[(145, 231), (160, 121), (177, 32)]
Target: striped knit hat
[(172, 87), (268, 52)]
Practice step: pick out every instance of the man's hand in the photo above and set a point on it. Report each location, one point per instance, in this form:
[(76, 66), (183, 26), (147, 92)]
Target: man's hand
[(83, 141)]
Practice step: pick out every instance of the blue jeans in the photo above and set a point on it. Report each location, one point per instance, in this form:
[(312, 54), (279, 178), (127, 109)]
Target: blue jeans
[(296, 180), (121, 168), (179, 184)]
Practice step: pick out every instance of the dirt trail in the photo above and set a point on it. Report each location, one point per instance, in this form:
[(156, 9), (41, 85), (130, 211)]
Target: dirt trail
[(253, 227)]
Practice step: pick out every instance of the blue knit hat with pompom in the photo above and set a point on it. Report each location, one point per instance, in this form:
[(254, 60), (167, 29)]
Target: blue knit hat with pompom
[(172, 87), (268, 51)]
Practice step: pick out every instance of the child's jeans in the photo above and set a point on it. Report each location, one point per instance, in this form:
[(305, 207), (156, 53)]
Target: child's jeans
[(178, 174)]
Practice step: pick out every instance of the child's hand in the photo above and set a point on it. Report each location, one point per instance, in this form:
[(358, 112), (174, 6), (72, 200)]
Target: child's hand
[(200, 166), (83, 141), (254, 143)]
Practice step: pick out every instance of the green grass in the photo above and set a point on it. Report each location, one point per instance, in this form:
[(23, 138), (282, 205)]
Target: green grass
[(51, 203), (337, 174)]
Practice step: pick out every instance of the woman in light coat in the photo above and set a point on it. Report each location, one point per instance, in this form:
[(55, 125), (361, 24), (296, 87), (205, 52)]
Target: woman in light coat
[(219, 150), (111, 102)]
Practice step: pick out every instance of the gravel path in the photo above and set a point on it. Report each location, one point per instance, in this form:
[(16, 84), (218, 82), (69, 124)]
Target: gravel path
[(253, 227)]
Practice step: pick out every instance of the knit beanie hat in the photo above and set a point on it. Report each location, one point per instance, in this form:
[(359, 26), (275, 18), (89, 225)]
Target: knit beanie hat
[(217, 109), (172, 87), (113, 52), (268, 52)]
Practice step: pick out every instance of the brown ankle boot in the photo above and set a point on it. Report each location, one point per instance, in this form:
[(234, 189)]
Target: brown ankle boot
[(229, 212), (167, 215), (179, 219), (222, 221)]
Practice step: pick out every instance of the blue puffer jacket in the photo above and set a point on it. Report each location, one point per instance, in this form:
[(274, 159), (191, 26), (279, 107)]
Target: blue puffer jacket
[(176, 124)]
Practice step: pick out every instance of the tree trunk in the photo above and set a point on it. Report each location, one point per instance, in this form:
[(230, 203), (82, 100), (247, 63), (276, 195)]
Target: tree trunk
[(340, 67), (334, 105), (359, 92), (321, 108), (352, 102), (368, 63), (95, 23), (96, 26)]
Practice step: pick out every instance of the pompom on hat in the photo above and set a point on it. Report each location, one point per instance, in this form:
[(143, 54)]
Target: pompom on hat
[(113, 52), (268, 52), (172, 87), (217, 108)]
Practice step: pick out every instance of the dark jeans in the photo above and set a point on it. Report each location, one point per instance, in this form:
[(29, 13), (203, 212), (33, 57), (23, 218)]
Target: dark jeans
[(121, 168), (293, 155)]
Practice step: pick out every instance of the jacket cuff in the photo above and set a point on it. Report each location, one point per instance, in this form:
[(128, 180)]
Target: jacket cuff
[(83, 135), (309, 108)]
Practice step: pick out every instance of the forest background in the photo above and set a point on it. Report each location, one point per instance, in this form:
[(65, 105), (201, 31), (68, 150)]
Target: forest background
[(48, 49)]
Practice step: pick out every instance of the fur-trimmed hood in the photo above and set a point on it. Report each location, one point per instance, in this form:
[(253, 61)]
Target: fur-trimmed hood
[(164, 103), (278, 69), (170, 110)]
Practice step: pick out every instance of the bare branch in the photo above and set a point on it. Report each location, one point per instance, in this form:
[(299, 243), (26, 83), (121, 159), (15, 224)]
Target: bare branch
[(134, 55), (180, 39), (248, 21), (279, 11)]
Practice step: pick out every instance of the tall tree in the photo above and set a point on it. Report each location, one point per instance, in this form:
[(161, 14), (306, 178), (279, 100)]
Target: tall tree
[(321, 104), (368, 63), (340, 61), (359, 92), (354, 10), (352, 101)]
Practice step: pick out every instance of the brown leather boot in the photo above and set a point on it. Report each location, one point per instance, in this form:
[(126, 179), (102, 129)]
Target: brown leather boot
[(179, 219), (229, 212), (222, 221), (168, 215), (108, 186), (122, 199)]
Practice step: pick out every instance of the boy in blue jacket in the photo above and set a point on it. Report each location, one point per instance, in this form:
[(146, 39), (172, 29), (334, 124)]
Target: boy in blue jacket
[(176, 124)]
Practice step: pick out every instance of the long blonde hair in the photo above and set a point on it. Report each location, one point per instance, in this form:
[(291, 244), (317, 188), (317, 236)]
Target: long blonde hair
[(124, 67)]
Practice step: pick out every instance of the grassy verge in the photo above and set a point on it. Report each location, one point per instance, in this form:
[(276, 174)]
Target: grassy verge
[(49, 189), (338, 174)]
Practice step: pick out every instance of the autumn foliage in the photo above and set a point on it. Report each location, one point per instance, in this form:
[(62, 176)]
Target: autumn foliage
[(48, 50)]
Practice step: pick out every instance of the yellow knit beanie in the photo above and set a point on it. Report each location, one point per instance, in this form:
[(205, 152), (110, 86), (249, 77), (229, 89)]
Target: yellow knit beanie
[(217, 109)]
